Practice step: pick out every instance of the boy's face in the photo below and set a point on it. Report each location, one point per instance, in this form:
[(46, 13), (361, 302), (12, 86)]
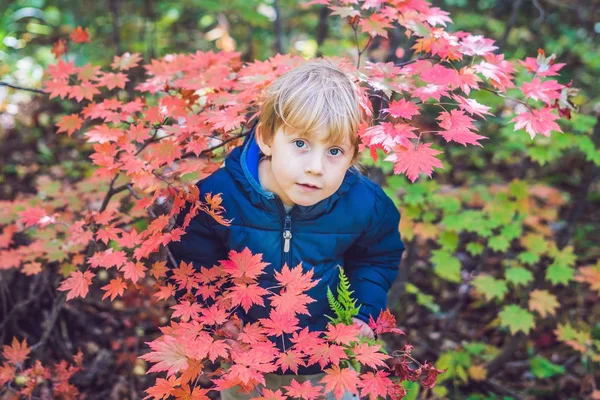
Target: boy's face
[(304, 170)]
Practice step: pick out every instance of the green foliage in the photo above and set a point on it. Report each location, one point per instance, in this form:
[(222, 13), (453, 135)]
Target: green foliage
[(543, 368), (516, 319), (490, 287), (343, 306), (446, 266), (518, 276)]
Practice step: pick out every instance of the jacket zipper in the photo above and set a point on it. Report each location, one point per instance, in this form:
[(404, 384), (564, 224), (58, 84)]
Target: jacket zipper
[(287, 235)]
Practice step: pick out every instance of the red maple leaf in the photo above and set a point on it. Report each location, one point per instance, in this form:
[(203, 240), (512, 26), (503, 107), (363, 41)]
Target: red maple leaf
[(294, 280), (341, 380), (59, 48), (370, 355), (279, 323), (291, 359), (244, 264), (112, 80), (246, 295), (305, 390), (126, 61), (134, 271), (165, 292), (537, 122), (402, 109), (114, 288), (77, 284), (169, 354), (79, 35), (17, 352), (325, 354), (545, 91), (186, 310), (375, 384), (386, 322), (69, 124), (414, 160), (342, 333), (289, 302)]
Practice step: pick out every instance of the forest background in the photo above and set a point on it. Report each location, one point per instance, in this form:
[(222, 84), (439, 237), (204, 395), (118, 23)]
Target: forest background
[(507, 312)]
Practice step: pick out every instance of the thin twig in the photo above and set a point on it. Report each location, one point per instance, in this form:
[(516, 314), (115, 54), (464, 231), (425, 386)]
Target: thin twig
[(22, 88)]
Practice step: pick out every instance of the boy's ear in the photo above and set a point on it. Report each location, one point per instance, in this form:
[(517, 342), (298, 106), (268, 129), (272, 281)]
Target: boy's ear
[(264, 147)]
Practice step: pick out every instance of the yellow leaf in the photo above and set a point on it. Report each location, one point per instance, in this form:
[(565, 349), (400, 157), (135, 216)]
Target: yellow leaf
[(543, 302), (478, 372)]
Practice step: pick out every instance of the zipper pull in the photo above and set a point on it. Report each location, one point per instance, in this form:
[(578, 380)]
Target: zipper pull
[(287, 234)]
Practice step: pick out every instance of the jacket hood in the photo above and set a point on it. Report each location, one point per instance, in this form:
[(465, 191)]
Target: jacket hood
[(242, 164)]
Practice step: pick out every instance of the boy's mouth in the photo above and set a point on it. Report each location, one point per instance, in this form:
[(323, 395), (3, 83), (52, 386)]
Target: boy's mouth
[(308, 186)]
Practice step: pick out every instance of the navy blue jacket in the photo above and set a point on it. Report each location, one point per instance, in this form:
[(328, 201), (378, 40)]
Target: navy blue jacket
[(356, 228)]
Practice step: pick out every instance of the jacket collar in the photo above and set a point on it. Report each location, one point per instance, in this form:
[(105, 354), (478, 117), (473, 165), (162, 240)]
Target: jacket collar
[(242, 164)]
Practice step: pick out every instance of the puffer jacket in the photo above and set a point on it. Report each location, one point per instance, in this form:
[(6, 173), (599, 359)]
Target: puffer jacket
[(356, 228)]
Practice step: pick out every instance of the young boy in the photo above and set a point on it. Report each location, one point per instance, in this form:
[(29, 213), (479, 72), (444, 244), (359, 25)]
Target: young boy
[(295, 196)]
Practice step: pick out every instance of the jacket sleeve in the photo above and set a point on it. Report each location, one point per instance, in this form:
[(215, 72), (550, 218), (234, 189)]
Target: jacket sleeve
[(371, 264), (199, 245)]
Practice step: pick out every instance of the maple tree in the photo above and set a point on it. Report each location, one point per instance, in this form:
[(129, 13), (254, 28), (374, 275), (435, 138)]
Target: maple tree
[(195, 107)]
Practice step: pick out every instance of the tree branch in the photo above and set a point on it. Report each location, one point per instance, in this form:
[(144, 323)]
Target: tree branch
[(22, 88)]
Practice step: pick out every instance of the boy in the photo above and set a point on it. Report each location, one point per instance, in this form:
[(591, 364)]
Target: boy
[(295, 196)]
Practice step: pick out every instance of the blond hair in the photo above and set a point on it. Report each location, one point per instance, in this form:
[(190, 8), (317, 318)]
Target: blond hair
[(313, 95)]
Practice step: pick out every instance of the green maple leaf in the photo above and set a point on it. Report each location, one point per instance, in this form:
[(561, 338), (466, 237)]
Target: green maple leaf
[(512, 231), (559, 274), (529, 258), (518, 275), (490, 287), (448, 240), (516, 319), (499, 243), (446, 266), (519, 189), (475, 248)]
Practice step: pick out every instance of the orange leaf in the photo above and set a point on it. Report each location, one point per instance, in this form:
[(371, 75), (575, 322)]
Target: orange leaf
[(16, 352), (114, 288), (77, 284), (304, 391), (375, 384), (544, 302), (342, 333), (69, 124), (340, 380), (244, 264), (370, 355), (79, 35)]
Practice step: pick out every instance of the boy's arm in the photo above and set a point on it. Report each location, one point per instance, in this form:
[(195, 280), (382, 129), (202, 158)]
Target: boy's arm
[(371, 264)]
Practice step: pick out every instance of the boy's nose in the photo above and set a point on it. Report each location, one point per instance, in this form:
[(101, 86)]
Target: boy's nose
[(314, 165)]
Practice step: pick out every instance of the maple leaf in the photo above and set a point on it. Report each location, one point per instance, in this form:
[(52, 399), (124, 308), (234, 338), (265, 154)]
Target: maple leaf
[(17, 352), (344, 12), (431, 374), (458, 127), (77, 284), (126, 61), (294, 280), (169, 354), (69, 124), (375, 25), (342, 333), (32, 216), (289, 302), (545, 91), (340, 380), (244, 264), (516, 319), (537, 122), (112, 80), (214, 315), (59, 48), (375, 384), (133, 271), (386, 322), (414, 160), (103, 134), (79, 35), (114, 288), (304, 390), (472, 106), (370, 355), (325, 354), (544, 302), (290, 359), (186, 310), (32, 268), (402, 109), (61, 71), (590, 275), (166, 291), (86, 90), (279, 323), (247, 295), (107, 233), (542, 65)]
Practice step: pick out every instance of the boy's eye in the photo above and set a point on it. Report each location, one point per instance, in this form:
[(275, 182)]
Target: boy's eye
[(335, 152), (299, 143)]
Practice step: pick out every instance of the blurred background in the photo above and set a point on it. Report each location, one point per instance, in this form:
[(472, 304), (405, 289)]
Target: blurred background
[(456, 281)]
